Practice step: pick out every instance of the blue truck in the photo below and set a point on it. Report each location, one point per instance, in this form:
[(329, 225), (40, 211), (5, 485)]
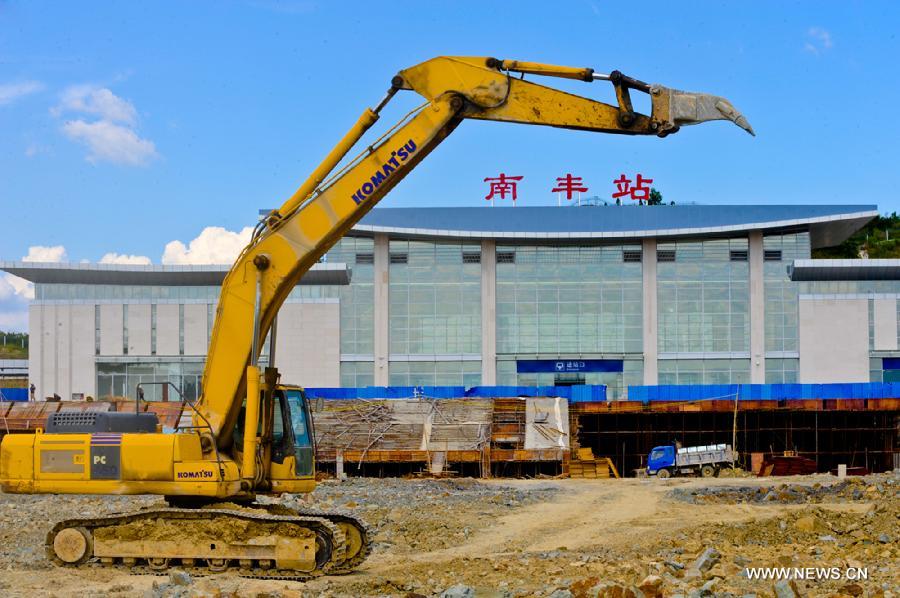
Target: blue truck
[(671, 460)]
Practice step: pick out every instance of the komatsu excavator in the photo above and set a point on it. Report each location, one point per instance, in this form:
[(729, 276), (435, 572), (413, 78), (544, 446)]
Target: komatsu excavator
[(249, 434)]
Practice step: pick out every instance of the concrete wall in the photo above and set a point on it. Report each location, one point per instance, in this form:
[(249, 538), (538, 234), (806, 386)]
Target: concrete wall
[(61, 356), (36, 369), (885, 324), (308, 344), (111, 328), (196, 335), (834, 340), (139, 329), (52, 382), (81, 351), (167, 329)]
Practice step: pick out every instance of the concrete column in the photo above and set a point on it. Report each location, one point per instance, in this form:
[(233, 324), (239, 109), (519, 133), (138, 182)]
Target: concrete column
[(488, 312), (382, 309), (651, 316), (36, 370), (757, 309)]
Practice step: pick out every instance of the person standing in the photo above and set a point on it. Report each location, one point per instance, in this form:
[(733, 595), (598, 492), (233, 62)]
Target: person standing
[(31, 395)]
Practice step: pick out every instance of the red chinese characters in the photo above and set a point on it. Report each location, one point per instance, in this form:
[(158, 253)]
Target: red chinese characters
[(569, 184), (640, 191), (501, 186)]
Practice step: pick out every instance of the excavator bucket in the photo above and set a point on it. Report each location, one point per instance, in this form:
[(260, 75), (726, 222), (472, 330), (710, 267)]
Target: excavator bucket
[(676, 108)]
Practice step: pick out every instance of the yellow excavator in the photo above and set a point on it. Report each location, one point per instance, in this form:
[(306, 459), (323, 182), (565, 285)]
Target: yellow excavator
[(250, 435)]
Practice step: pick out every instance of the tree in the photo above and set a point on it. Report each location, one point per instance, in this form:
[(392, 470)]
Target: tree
[(656, 198)]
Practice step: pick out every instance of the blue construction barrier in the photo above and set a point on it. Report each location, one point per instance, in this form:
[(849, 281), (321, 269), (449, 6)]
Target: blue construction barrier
[(387, 392), (764, 392), (596, 393), (14, 394), (576, 394)]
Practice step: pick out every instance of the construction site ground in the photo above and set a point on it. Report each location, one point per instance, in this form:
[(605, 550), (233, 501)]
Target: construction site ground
[(552, 537)]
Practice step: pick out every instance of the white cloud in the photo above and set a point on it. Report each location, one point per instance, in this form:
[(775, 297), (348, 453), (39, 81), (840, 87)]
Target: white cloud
[(121, 258), (111, 142), (13, 286), (113, 137), (46, 253), (15, 292), (10, 92), (99, 101), (817, 40), (214, 245), (16, 287)]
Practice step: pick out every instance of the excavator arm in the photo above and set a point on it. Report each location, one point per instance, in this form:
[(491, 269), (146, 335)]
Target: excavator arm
[(293, 237)]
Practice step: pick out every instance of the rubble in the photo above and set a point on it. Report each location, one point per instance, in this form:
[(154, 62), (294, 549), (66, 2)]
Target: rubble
[(856, 489), (469, 538)]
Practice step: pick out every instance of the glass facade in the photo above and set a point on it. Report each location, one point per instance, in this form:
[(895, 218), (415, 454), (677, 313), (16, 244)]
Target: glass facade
[(435, 373), (782, 371), (357, 298), (558, 300), (120, 379), (704, 371), (552, 302), (355, 374), (703, 296), (435, 301), (781, 295)]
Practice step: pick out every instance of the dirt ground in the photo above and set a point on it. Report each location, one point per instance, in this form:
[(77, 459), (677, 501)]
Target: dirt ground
[(560, 538)]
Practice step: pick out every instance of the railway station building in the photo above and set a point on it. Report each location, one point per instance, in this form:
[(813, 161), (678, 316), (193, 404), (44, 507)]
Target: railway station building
[(613, 295)]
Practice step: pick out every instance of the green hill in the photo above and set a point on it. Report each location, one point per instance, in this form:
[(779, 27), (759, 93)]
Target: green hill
[(880, 239)]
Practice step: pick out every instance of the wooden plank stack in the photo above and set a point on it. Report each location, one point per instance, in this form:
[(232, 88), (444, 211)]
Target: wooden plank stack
[(587, 466)]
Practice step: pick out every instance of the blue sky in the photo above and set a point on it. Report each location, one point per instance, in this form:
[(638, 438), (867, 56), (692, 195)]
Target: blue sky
[(126, 126)]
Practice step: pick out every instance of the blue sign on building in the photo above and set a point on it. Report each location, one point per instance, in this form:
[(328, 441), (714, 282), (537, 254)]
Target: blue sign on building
[(890, 363), (567, 366)]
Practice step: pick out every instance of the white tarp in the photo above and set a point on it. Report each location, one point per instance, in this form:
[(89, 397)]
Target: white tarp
[(546, 423)]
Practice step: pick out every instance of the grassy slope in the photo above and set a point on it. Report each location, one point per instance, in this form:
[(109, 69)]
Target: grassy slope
[(879, 239)]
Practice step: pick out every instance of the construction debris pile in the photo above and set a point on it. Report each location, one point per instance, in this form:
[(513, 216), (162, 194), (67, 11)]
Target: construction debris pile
[(403, 425), (439, 433), (546, 538), (873, 488)]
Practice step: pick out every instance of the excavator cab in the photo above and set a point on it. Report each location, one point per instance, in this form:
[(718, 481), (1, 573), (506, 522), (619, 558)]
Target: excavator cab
[(298, 414), (293, 443)]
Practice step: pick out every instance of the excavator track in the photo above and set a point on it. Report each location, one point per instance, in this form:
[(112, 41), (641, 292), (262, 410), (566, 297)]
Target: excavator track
[(357, 533), (248, 542)]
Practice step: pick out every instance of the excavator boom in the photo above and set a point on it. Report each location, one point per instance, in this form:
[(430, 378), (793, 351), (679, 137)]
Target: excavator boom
[(294, 237)]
